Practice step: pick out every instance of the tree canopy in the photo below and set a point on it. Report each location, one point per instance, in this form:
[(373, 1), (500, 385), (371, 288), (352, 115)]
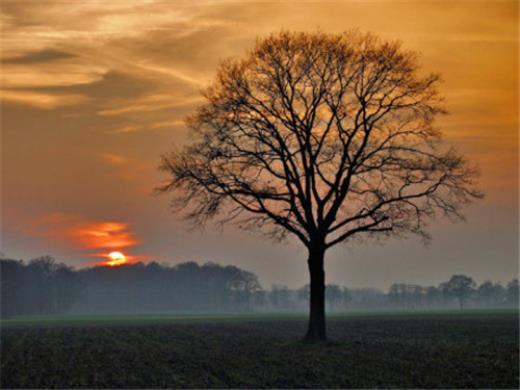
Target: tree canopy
[(321, 134)]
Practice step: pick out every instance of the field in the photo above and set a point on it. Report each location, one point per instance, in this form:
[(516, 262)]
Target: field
[(439, 349)]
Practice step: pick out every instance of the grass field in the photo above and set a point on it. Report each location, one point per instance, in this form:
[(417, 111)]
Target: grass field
[(438, 349)]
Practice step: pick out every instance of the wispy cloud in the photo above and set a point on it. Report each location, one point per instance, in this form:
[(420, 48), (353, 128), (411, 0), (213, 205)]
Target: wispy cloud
[(113, 159), (41, 100), (150, 103)]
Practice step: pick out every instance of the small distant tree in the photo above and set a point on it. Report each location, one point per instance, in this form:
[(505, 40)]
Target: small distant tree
[(432, 296), (333, 296), (346, 297), (395, 295), (243, 288), (512, 293), (260, 299), (326, 137), (303, 294), (490, 294), (41, 288), (460, 287), (416, 295), (279, 297), (11, 285), (68, 288)]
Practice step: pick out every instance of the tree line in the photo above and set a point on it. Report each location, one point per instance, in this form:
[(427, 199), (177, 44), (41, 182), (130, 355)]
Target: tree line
[(460, 291), (44, 286)]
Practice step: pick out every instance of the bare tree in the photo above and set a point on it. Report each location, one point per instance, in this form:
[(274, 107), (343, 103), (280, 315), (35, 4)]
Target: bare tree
[(325, 137)]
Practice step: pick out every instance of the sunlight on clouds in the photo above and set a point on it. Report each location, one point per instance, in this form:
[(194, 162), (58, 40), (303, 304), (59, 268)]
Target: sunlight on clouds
[(150, 103), (47, 75), (113, 159), (170, 124), (41, 100), (86, 235)]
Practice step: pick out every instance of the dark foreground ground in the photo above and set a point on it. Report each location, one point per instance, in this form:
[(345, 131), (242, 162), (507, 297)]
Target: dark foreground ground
[(440, 350)]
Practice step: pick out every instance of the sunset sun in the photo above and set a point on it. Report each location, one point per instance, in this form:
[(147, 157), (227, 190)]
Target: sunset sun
[(115, 259)]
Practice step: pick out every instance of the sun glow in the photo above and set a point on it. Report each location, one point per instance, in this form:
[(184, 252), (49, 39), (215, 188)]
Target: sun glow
[(116, 258)]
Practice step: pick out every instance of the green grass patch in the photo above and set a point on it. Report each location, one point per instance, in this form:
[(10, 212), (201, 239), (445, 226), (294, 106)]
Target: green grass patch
[(147, 319)]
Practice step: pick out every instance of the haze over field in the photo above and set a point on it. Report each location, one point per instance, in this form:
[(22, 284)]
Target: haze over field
[(93, 94)]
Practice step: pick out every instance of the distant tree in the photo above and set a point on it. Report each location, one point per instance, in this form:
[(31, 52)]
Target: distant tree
[(243, 288), (11, 285), (367, 298), (432, 296), (345, 297), (416, 295), (42, 286), (512, 293), (303, 294), (490, 294), (333, 296), (397, 294), (152, 288), (280, 297), (460, 287), (39, 289), (326, 137), (68, 288), (405, 295), (260, 299)]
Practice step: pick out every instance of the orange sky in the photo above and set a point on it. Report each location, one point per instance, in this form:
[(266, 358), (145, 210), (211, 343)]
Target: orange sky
[(94, 92)]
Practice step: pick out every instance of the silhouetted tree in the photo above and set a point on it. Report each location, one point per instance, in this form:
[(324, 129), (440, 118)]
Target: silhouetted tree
[(11, 279), (460, 287), (42, 286), (326, 137), (186, 287)]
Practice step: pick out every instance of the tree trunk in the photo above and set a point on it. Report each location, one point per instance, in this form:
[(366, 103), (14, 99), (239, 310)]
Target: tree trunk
[(316, 330)]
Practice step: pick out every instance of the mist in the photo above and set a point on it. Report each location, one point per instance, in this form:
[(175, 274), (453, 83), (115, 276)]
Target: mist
[(43, 286)]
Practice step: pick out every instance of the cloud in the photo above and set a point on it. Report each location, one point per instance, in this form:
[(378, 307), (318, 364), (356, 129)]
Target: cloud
[(114, 85), (113, 159), (41, 100), (104, 235), (46, 55), (49, 75), (149, 103), (92, 237), (167, 124)]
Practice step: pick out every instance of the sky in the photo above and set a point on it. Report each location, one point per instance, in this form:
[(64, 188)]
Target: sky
[(93, 92)]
